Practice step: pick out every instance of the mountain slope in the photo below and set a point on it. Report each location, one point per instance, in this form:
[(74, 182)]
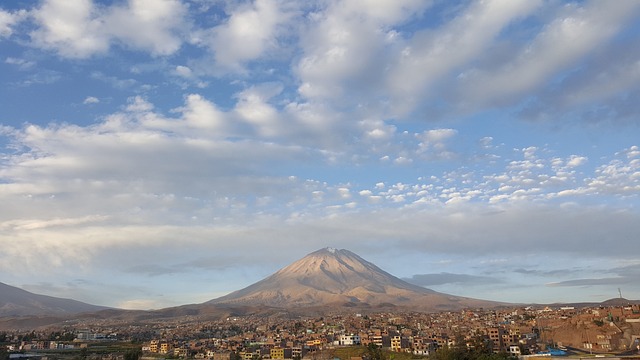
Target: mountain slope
[(331, 277), (17, 302)]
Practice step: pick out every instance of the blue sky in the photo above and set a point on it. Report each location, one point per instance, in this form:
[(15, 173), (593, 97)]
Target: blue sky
[(163, 152)]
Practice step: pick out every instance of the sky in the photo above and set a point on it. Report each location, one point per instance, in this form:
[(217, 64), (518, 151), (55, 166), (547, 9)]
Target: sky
[(156, 153)]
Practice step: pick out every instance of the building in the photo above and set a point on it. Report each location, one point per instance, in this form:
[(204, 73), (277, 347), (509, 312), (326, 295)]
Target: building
[(514, 350), (164, 348), (276, 353), (347, 340), (396, 343), (496, 337)]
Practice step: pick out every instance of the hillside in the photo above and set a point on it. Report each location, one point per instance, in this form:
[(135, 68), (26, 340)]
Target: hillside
[(17, 302)]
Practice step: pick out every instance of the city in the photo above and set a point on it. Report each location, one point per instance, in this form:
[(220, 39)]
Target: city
[(527, 332)]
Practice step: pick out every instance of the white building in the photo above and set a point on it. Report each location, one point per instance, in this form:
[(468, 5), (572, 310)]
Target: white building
[(514, 350), (349, 340)]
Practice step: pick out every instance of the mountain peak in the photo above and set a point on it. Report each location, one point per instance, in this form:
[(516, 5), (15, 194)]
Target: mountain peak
[(331, 251), (338, 276)]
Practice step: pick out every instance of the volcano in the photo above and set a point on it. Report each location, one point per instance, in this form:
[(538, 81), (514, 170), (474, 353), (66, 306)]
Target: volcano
[(333, 277)]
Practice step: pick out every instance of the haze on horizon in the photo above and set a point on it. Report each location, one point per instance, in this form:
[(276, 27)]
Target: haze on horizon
[(164, 152)]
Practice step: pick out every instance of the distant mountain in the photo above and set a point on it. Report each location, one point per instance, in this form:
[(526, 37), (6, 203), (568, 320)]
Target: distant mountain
[(619, 301), (17, 302), (613, 302), (340, 278)]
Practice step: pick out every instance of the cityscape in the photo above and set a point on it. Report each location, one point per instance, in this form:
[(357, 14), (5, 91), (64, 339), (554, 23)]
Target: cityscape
[(329, 304), (527, 332)]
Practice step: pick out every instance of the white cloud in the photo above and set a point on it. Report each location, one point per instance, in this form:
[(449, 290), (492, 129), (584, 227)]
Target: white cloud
[(251, 30), (437, 136), (344, 193), (253, 107), (8, 20), (433, 143), (619, 176), (576, 161), (151, 25), (203, 114), (576, 32), (82, 29), (23, 64), (401, 160), (486, 142), (138, 104), (73, 29), (620, 75), (31, 224), (184, 71), (320, 125), (365, 193), (377, 130), (632, 152), (108, 154), (431, 55), (91, 100), (345, 43), (479, 230), (187, 77)]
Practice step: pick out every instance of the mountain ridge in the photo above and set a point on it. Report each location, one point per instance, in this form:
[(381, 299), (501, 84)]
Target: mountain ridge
[(18, 302), (323, 282)]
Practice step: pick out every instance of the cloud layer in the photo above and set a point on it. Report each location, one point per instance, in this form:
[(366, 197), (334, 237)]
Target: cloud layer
[(483, 143)]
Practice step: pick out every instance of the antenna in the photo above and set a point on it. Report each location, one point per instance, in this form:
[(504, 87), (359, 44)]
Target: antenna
[(620, 292)]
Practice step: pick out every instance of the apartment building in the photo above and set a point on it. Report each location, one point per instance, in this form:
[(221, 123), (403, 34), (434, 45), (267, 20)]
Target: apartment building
[(347, 340), (276, 353)]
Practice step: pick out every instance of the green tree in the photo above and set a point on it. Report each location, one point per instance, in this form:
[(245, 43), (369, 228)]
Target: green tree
[(133, 354), (463, 353), (83, 354), (4, 355), (374, 352)]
